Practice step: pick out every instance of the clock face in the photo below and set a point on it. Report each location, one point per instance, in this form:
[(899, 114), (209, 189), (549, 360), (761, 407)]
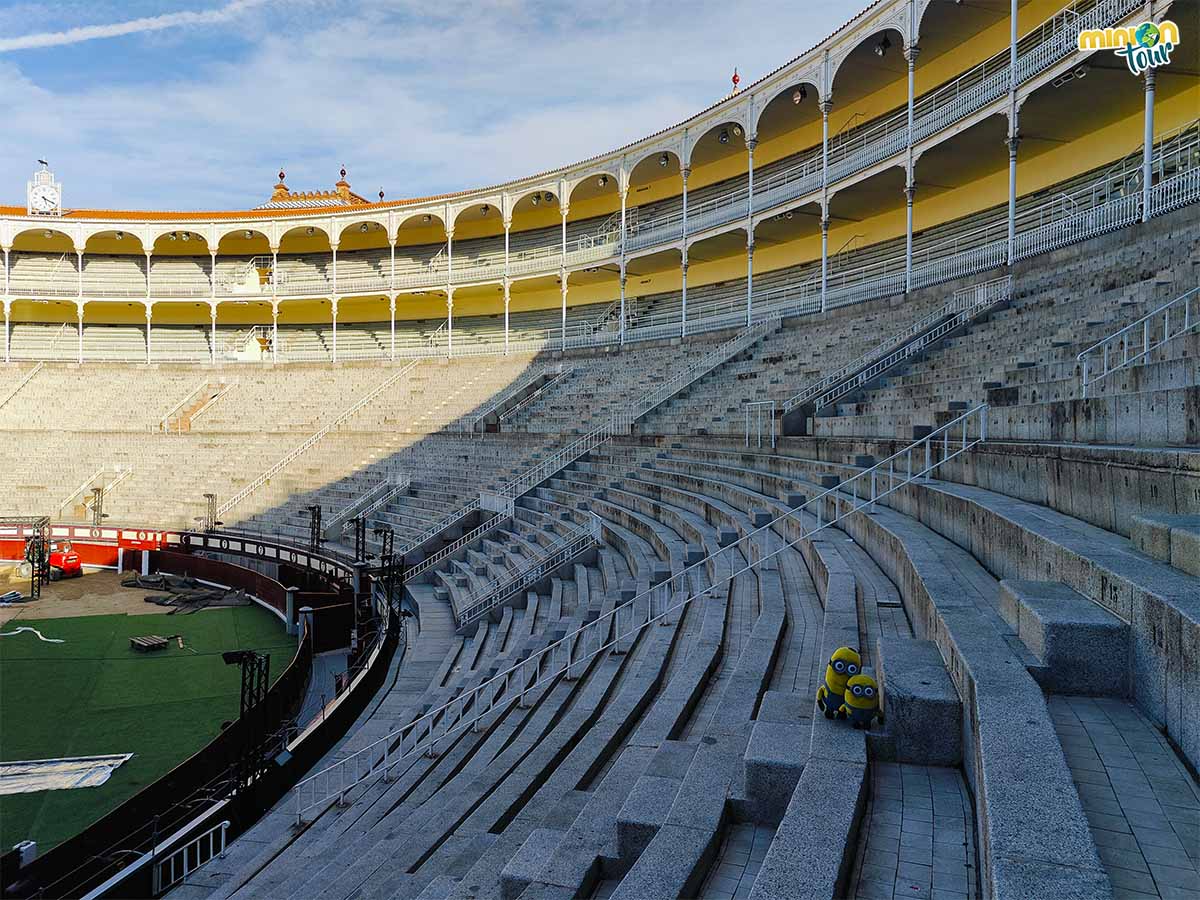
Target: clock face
[(43, 198)]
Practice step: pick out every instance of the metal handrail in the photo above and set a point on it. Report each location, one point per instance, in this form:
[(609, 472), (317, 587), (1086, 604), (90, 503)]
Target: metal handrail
[(1141, 332), (563, 375), (626, 620), (986, 293), (516, 582), (522, 385), (313, 439), (755, 410), (474, 534), (25, 379), (368, 502)]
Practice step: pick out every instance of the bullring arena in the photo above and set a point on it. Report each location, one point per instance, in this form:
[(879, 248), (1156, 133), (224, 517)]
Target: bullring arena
[(800, 502)]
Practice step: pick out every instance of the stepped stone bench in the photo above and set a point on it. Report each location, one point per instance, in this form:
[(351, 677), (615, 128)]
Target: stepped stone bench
[(1173, 539), (921, 707), (1080, 647)]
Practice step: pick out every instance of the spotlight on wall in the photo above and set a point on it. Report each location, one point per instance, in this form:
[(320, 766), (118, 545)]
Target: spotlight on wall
[(549, 197), (883, 46), (602, 180), (120, 235), (364, 227), (47, 233), (249, 234), (723, 137), (485, 209), (185, 236), (799, 95), (664, 160), (173, 235), (737, 130), (309, 231), (426, 219), (536, 199)]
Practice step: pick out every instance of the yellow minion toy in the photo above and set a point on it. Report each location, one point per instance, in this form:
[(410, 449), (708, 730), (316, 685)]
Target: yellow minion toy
[(861, 700), (843, 664)]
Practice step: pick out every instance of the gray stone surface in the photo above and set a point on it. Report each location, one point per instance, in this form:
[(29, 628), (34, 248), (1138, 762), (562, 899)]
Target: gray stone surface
[(774, 761), (644, 813), (528, 861), (1083, 648), (922, 709)]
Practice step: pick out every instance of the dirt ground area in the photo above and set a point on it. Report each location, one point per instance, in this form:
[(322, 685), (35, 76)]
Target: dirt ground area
[(97, 593)]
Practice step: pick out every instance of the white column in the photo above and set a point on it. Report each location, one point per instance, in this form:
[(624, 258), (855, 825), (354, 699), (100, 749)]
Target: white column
[(507, 229), (392, 323), (148, 308), (7, 310), (1148, 144), (507, 299), (683, 258), (6, 265), (449, 258), (147, 274), (212, 341), (909, 190), (624, 196), (79, 327), (1013, 140), (751, 143), (334, 248), (212, 276), (79, 274), (826, 104), (274, 332), (274, 274), (334, 305), (1013, 129), (824, 257), (564, 309), (683, 281), (449, 322), (910, 55), (392, 277)]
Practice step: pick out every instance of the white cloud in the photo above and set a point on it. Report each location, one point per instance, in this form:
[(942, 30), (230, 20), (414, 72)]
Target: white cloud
[(131, 26), (415, 99)]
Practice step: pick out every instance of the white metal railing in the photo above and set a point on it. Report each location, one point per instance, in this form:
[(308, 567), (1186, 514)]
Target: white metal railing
[(518, 581), (977, 296), (441, 525), (312, 440), (25, 379), (531, 378), (164, 424), (1133, 343), (366, 503), (470, 537), (179, 864), (760, 413), (624, 622), (87, 482), (562, 375), (974, 302)]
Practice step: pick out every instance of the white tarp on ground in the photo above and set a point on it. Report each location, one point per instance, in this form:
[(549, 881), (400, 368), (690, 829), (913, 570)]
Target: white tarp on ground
[(26, 776)]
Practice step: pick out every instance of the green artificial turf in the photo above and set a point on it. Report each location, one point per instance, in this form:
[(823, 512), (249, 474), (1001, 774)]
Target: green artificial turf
[(92, 694)]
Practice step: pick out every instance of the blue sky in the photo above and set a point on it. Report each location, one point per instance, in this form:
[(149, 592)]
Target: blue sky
[(196, 104)]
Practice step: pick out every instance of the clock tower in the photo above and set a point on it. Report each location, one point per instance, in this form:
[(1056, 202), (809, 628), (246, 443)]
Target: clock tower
[(44, 194)]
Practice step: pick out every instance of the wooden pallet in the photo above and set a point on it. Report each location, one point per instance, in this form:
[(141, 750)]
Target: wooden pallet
[(150, 642)]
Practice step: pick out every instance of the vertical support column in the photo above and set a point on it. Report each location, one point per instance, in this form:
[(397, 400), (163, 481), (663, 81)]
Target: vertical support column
[(910, 187), (624, 195), (7, 312), (334, 305), (274, 331), (79, 327), (1013, 130), (212, 340), (392, 322), (334, 248), (564, 310), (79, 273), (147, 274), (909, 190), (149, 306), (683, 259), (751, 143), (392, 276), (212, 277), (683, 281), (1148, 144), (1013, 140), (824, 256), (449, 322), (507, 300)]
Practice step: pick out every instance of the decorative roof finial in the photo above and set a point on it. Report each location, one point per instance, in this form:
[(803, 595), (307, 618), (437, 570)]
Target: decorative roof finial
[(343, 171), (736, 79), (282, 175), (381, 195)]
